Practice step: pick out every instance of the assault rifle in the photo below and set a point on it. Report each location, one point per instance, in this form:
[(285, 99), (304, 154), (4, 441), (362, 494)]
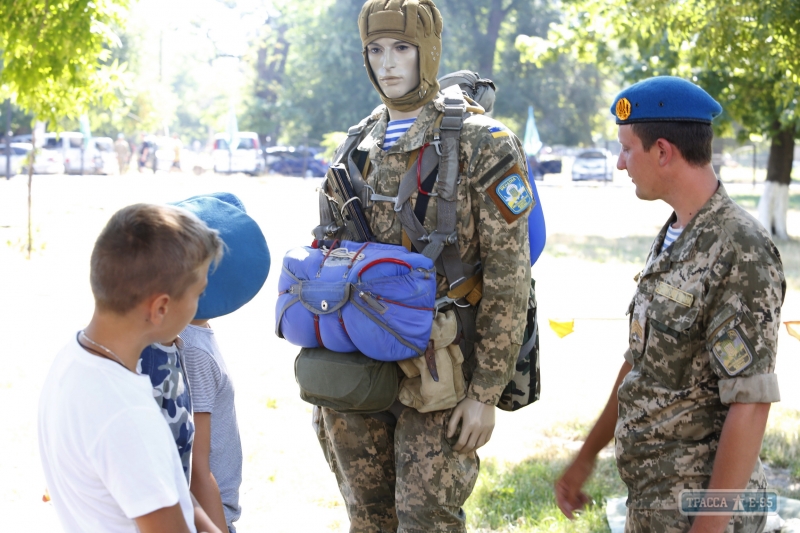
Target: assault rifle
[(349, 210)]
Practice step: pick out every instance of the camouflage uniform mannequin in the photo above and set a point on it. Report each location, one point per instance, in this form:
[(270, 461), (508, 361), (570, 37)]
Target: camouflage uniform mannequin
[(400, 472), (703, 338)]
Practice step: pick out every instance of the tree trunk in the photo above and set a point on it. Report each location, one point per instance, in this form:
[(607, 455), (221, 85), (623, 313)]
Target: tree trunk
[(30, 187), (486, 58), (774, 201), (270, 69)]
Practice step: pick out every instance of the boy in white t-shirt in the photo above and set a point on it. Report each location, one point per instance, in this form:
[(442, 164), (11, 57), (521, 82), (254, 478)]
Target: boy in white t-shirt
[(109, 459)]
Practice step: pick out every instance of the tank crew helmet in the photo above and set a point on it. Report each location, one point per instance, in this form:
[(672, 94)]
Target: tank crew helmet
[(664, 99), (417, 22)]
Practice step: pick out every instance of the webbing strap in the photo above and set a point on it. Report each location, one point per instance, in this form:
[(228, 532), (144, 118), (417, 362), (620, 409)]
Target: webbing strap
[(443, 243), (346, 154)]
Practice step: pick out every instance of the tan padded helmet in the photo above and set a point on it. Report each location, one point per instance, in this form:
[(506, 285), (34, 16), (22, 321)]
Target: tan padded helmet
[(417, 22)]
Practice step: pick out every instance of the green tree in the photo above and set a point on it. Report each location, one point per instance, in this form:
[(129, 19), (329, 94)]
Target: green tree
[(565, 93), (746, 54), (309, 70), (53, 54), (53, 58), (310, 76)]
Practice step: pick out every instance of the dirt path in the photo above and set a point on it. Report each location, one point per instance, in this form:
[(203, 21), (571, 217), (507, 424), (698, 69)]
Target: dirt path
[(287, 487)]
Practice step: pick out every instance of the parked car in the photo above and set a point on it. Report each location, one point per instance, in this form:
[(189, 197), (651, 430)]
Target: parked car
[(540, 167), (69, 145), (19, 155), (594, 164), (105, 157), (49, 162), (247, 157), (293, 162)]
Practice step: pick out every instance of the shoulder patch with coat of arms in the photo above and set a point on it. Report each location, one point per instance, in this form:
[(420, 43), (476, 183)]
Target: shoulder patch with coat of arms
[(512, 195), (732, 352)]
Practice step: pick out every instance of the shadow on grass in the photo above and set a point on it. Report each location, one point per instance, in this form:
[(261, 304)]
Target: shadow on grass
[(599, 249), (520, 498)]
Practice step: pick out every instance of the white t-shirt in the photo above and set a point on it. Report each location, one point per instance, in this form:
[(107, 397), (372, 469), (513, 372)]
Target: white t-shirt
[(107, 452)]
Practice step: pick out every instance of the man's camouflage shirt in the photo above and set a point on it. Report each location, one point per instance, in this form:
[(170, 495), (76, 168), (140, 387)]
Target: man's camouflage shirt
[(703, 335), (489, 153)]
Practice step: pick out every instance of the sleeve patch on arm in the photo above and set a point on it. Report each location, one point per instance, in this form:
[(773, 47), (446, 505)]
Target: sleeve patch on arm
[(512, 195), (732, 351)]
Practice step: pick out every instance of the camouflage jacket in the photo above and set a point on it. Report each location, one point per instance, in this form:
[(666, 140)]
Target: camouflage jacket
[(165, 367), (489, 231), (703, 335)]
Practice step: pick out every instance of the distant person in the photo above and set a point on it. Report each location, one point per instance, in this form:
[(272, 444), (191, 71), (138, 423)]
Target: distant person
[(177, 147), (144, 155), (123, 150), (690, 404), (217, 448), (108, 456)]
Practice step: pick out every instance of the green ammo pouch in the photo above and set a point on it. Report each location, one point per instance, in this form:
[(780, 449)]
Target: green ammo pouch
[(345, 382)]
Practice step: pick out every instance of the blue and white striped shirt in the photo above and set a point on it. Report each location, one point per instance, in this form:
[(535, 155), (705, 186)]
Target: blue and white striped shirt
[(671, 236), (395, 129)]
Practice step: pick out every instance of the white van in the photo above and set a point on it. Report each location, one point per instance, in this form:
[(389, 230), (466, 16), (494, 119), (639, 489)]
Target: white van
[(246, 158), (69, 144), (106, 161)]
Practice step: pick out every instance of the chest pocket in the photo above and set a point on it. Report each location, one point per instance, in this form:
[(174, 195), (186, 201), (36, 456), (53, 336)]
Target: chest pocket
[(670, 340)]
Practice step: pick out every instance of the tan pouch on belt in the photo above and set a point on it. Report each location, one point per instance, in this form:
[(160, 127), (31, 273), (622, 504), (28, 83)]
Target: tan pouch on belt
[(418, 389)]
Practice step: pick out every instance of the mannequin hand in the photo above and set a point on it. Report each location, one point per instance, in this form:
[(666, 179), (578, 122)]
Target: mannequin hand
[(477, 424), (569, 496)]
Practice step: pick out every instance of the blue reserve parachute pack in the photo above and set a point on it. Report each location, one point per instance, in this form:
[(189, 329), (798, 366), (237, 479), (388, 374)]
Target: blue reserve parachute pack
[(378, 299)]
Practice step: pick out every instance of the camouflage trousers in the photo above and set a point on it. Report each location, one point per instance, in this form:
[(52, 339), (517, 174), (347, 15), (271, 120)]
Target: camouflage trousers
[(402, 477), (672, 521)]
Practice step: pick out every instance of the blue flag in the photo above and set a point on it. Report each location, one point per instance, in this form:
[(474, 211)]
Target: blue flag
[(532, 143)]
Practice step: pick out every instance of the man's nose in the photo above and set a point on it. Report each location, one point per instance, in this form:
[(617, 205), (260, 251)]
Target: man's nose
[(620, 162)]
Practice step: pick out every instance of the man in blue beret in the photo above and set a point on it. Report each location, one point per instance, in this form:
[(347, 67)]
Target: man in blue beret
[(690, 404)]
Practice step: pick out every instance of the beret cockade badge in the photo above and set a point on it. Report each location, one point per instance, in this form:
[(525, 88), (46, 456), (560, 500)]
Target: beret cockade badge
[(623, 109)]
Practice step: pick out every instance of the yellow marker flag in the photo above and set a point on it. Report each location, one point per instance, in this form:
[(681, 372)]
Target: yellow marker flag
[(793, 328), (562, 329)]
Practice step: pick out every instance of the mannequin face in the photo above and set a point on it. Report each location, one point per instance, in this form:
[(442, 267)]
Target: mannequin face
[(395, 65)]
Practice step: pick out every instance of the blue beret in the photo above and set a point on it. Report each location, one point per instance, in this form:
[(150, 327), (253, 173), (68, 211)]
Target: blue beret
[(244, 267), (664, 99)]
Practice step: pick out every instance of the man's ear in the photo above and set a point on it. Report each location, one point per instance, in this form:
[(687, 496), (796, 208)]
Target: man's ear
[(666, 152), (157, 308)]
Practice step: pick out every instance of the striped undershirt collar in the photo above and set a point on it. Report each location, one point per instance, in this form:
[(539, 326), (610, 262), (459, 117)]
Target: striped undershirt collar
[(671, 236), (395, 129)]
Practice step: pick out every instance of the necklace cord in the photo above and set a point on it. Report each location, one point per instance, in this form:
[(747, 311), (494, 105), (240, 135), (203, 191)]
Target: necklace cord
[(114, 357)]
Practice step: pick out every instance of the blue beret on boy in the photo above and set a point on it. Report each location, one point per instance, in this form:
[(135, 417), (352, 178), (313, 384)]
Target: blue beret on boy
[(244, 267), (664, 99)]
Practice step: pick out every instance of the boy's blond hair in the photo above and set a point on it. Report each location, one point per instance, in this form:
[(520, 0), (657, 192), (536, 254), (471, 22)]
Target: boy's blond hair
[(148, 249)]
